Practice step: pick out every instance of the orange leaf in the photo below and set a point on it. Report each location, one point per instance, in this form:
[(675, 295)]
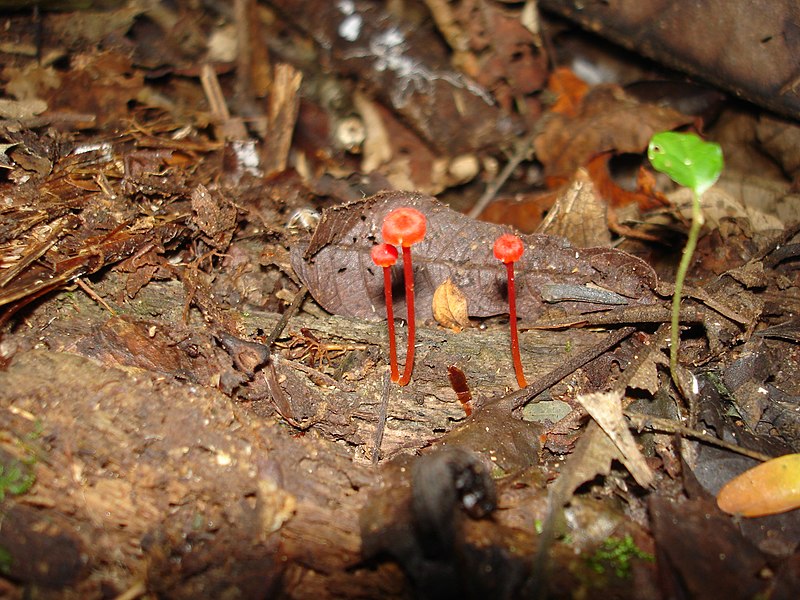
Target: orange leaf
[(767, 489), (569, 90), (646, 199)]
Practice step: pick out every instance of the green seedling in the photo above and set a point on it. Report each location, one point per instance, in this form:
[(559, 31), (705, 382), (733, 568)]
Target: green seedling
[(14, 480), (618, 554), (695, 164)]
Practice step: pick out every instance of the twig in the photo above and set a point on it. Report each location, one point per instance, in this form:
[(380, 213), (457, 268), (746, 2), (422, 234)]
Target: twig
[(640, 421), (520, 398), (139, 588), (520, 153), (381, 425), (89, 291), (281, 325)]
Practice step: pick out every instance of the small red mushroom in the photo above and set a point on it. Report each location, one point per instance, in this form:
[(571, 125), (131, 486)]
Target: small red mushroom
[(404, 227), (385, 255), (508, 248)]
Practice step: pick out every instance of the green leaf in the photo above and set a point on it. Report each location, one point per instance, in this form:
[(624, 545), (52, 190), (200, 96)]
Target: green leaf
[(687, 159), (14, 480)]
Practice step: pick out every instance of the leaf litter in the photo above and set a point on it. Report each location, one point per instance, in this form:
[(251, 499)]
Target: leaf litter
[(336, 266), (147, 265)]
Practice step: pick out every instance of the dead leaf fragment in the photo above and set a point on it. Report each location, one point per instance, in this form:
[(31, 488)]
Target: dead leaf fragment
[(579, 214), (606, 409), (450, 306), (337, 268), (14, 109), (607, 120)]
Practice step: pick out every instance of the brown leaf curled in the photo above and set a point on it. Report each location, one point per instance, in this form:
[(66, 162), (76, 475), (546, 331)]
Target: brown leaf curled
[(450, 306)]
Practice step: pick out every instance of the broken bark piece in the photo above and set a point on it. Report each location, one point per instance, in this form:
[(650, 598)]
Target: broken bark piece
[(407, 68), (284, 103), (337, 268)]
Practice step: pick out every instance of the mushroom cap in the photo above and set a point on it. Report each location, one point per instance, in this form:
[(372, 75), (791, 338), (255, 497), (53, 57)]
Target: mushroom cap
[(404, 226), (384, 255), (508, 248)]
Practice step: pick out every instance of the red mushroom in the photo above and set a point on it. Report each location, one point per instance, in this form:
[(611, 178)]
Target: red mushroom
[(508, 248), (385, 255), (405, 227)]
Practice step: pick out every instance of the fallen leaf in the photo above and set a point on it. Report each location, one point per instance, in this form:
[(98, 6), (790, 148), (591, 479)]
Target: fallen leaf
[(337, 268), (607, 120), (719, 204), (15, 109), (522, 211), (646, 375), (704, 551), (606, 409), (450, 306), (767, 489), (569, 89), (579, 214)]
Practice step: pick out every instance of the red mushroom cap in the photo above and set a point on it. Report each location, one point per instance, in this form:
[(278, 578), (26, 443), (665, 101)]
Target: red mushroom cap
[(384, 255), (404, 226), (508, 248)]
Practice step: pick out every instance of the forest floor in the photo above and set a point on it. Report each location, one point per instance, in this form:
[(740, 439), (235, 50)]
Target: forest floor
[(195, 393)]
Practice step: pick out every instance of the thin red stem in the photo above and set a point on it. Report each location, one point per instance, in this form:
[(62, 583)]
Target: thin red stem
[(512, 315), (408, 275), (387, 292)]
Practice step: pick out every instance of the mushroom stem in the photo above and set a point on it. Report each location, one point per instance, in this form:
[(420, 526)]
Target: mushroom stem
[(405, 226), (387, 292), (408, 275), (385, 255), (509, 248), (512, 315)]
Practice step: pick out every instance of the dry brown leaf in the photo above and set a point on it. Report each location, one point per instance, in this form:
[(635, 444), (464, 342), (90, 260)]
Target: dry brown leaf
[(579, 214), (646, 375), (608, 120), (606, 409), (450, 306), (342, 278)]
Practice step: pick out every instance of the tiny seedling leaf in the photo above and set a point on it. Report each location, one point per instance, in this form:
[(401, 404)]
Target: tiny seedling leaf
[(14, 481), (686, 159)]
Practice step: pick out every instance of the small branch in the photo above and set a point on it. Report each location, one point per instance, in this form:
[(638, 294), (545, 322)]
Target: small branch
[(520, 398), (87, 288), (290, 312), (640, 422), (520, 154)]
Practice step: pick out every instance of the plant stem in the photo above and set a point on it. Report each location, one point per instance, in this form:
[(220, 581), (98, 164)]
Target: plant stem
[(680, 276), (387, 292), (512, 315), (408, 274)]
